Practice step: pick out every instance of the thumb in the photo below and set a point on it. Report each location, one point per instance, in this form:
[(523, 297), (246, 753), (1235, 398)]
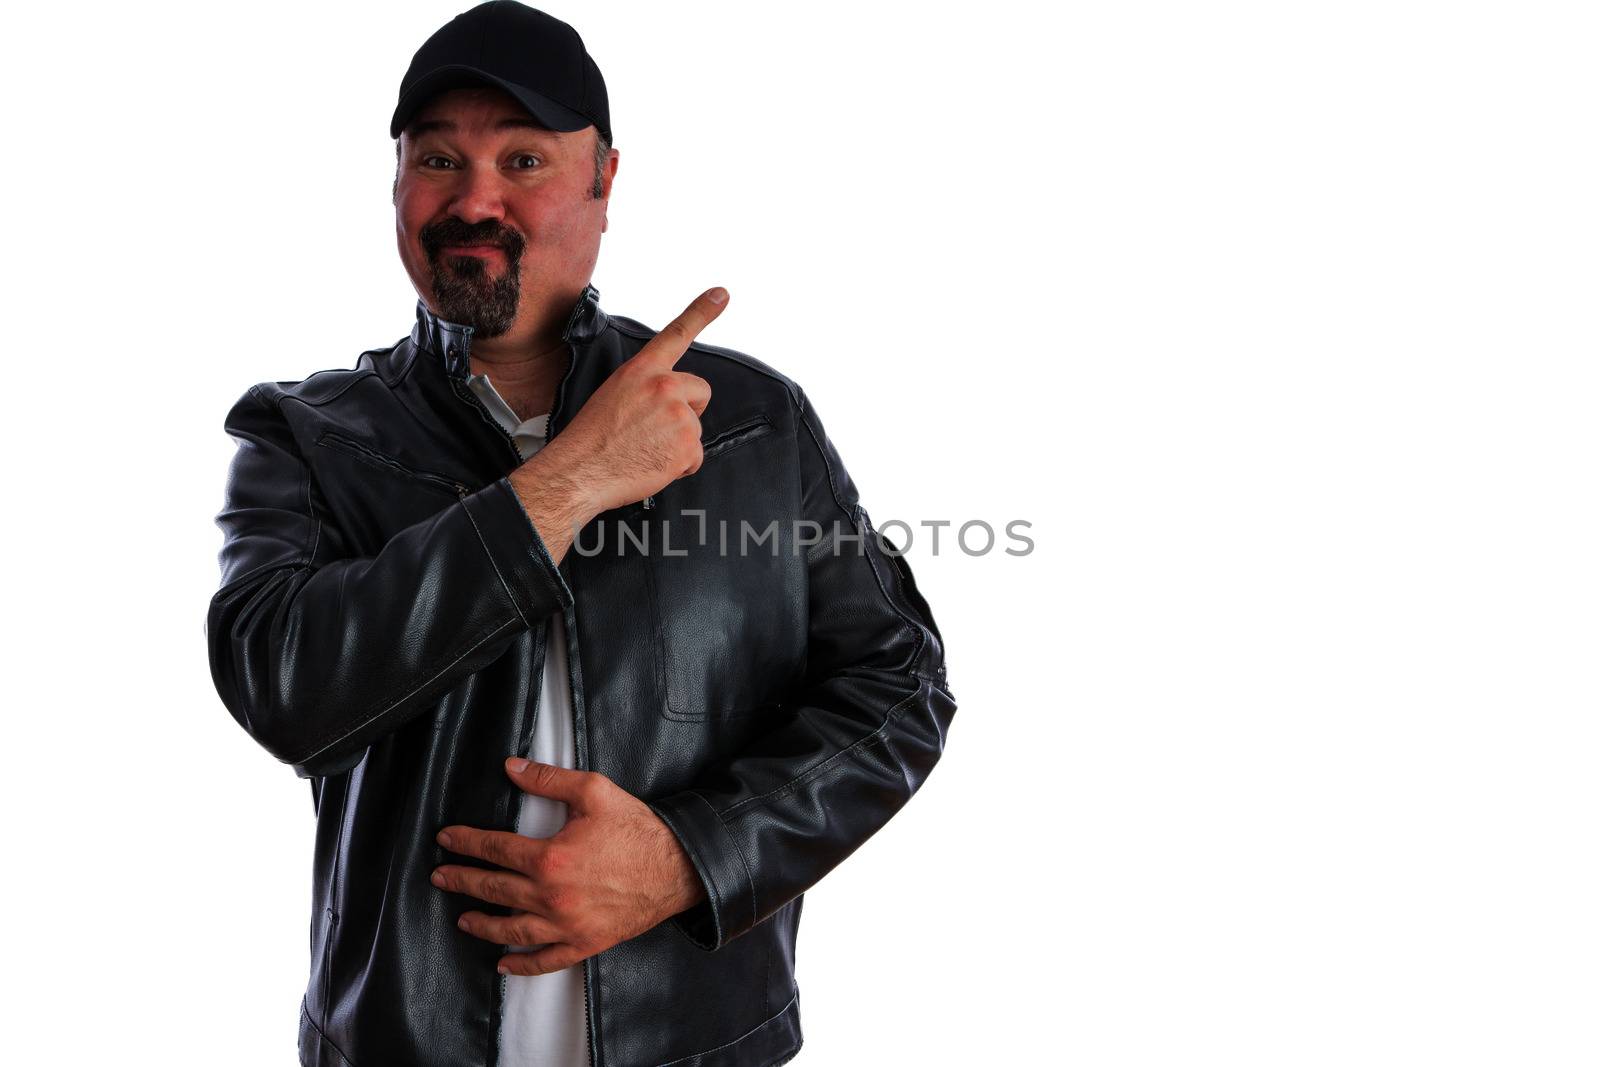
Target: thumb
[(547, 780)]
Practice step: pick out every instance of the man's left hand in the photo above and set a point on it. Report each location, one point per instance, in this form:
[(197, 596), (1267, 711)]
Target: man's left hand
[(612, 872)]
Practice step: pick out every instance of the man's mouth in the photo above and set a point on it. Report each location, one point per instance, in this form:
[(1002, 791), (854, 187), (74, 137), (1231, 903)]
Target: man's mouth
[(471, 250)]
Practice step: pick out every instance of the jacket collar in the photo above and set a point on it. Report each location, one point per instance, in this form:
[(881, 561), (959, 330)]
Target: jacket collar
[(451, 342)]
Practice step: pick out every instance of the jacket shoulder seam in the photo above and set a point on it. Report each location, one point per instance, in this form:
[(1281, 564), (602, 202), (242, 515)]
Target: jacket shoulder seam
[(310, 555), (355, 375), (732, 355)]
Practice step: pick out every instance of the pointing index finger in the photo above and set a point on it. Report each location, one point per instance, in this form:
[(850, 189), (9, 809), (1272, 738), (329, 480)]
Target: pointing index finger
[(667, 347)]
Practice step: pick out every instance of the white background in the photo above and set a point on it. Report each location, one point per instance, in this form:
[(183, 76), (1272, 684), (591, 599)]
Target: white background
[(1277, 321)]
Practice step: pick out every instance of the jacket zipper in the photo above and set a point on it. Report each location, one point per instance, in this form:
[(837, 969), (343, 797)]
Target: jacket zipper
[(469, 397), (580, 751), (339, 442), (578, 747)]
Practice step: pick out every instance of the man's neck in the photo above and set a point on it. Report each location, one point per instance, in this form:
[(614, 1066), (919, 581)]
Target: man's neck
[(526, 363), (527, 380)]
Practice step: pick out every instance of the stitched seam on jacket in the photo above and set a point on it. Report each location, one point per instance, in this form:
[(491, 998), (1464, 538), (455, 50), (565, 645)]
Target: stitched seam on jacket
[(356, 375), (347, 728), (253, 576), (881, 738), (748, 1033), (411, 360), (316, 523), (855, 516), (749, 880), (326, 1040), (717, 925), (877, 735), (305, 476), (917, 628), (490, 553), (332, 914)]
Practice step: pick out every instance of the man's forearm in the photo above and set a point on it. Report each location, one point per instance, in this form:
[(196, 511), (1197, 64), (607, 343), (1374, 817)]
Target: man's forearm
[(556, 503)]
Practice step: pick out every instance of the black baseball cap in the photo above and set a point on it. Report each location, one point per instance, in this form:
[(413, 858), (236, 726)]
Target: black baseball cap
[(536, 58)]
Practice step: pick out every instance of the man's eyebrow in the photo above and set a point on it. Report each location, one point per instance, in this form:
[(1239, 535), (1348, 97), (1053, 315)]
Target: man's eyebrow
[(417, 129)]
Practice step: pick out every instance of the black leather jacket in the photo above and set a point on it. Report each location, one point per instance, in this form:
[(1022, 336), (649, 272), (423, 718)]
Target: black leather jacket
[(380, 627)]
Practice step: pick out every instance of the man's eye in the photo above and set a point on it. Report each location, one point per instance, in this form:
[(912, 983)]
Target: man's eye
[(517, 161), (427, 161)]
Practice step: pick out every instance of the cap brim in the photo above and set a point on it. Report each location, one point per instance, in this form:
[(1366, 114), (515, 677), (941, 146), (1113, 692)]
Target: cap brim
[(546, 111)]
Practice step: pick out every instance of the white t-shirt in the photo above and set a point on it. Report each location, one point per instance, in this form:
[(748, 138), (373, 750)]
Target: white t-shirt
[(542, 1021)]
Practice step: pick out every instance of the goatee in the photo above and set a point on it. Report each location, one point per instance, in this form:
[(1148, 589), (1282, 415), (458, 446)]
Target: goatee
[(463, 288)]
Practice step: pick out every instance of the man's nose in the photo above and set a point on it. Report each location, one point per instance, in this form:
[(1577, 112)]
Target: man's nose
[(479, 196)]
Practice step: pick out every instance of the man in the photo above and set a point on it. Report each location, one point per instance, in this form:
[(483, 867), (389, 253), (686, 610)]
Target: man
[(590, 653)]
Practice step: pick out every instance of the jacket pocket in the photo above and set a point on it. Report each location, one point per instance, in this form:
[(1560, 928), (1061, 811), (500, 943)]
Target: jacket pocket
[(727, 601), (715, 660), (338, 442), (740, 433)]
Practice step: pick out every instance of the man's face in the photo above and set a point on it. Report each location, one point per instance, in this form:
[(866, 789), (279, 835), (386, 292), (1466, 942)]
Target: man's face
[(495, 216)]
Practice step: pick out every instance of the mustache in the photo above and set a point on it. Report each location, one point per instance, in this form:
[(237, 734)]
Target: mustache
[(453, 231)]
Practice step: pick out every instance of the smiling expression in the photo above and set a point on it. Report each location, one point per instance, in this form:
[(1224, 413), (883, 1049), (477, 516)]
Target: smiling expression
[(496, 218)]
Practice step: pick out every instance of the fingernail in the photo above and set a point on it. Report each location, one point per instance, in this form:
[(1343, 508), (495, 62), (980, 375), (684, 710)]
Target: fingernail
[(437, 879), (503, 969), (444, 839), (462, 922), (518, 765), (719, 295)]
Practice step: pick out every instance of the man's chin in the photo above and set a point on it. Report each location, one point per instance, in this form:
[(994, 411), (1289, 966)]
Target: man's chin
[(476, 296), (473, 270), (488, 315)]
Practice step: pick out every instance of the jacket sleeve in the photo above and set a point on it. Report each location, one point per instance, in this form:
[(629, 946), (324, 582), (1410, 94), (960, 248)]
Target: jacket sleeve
[(858, 738), (316, 651)]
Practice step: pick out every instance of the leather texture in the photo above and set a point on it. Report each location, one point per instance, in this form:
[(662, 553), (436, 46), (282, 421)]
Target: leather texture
[(379, 627)]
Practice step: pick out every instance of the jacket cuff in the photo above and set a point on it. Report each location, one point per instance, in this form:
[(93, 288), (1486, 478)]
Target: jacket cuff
[(729, 907), (517, 552)]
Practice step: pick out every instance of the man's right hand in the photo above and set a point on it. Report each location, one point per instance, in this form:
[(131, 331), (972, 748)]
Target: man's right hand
[(638, 433)]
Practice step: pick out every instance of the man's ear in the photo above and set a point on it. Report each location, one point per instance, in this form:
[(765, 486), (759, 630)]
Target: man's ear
[(608, 173), (394, 190)]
